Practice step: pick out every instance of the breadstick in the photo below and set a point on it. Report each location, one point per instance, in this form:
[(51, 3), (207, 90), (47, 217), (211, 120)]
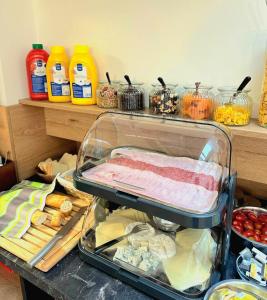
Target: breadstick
[(38, 217), (56, 219), (55, 200)]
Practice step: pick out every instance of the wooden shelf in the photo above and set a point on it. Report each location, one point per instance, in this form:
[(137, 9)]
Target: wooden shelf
[(251, 131), (66, 106)]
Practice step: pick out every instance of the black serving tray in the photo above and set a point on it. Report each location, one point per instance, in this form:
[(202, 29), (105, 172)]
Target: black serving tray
[(184, 218), (142, 283)]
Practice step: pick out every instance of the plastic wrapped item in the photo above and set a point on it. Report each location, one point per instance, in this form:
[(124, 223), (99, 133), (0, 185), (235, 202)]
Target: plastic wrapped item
[(197, 102), (232, 110), (107, 94), (263, 111)]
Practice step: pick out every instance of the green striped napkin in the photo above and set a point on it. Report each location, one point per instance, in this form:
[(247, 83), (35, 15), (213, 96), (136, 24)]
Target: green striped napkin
[(18, 204)]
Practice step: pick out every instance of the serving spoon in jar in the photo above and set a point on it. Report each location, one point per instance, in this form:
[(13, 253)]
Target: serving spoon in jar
[(243, 84), (108, 78)]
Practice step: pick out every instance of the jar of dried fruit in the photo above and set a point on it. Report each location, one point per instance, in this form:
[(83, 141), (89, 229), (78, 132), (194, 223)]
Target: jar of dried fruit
[(197, 102), (107, 94), (163, 100), (231, 107)]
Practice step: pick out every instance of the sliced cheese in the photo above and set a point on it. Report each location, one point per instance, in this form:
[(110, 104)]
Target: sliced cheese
[(184, 271), (116, 223), (191, 266)]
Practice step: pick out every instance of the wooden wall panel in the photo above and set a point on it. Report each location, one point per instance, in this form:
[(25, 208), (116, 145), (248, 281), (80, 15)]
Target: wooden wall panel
[(31, 143), (5, 140)]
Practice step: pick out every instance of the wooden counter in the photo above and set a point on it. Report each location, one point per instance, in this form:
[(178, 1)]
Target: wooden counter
[(41, 129)]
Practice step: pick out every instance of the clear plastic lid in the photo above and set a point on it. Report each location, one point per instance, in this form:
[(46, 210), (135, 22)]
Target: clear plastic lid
[(169, 161)]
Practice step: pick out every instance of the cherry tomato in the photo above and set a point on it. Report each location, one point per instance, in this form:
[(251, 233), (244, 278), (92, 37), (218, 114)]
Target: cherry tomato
[(257, 237), (252, 216), (264, 238), (258, 225), (241, 217), (248, 233), (264, 230), (262, 218), (248, 225), (238, 228), (258, 231), (235, 222)]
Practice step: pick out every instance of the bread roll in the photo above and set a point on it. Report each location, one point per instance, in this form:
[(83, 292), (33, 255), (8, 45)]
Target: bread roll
[(55, 200), (56, 219), (66, 208), (38, 217)]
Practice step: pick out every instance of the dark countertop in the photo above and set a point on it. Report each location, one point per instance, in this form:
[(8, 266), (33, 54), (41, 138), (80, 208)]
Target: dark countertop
[(74, 279)]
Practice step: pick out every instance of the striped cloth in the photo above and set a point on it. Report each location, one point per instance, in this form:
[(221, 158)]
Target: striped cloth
[(18, 204)]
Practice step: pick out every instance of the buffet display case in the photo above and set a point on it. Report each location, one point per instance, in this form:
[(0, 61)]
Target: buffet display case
[(164, 197)]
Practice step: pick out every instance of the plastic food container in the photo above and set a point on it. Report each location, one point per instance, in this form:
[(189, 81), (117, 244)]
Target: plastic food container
[(131, 97), (263, 111), (197, 102), (107, 94), (236, 285), (163, 100), (178, 174), (232, 110)]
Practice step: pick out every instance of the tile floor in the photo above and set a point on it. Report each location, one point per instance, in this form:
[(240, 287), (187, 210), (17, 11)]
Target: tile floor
[(9, 285)]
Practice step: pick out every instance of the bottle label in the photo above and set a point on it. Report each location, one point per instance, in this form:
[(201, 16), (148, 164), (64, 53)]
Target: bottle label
[(82, 87), (38, 75), (60, 85)]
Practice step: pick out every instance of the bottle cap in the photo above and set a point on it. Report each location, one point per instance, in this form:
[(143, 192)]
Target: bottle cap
[(81, 49), (57, 49), (37, 46)]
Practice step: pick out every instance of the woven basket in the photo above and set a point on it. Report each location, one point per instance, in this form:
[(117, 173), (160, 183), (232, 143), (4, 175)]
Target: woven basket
[(65, 179)]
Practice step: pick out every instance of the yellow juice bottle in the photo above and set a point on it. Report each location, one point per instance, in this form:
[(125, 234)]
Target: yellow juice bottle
[(57, 73), (83, 76)]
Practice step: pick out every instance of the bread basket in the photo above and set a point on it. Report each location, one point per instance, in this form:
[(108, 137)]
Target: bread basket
[(65, 180)]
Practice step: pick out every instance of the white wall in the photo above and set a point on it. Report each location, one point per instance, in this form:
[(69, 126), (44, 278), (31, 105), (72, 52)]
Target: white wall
[(17, 33), (214, 41)]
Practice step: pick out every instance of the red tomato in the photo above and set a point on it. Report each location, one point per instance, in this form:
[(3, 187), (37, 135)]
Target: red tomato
[(235, 222), (252, 216), (262, 218), (248, 233), (241, 217), (248, 225), (238, 228), (258, 225), (264, 230), (257, 231), (264, 238), (257, 237)]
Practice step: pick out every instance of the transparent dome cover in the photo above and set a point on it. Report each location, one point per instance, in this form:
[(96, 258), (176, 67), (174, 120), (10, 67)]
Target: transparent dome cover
[(169, 161)]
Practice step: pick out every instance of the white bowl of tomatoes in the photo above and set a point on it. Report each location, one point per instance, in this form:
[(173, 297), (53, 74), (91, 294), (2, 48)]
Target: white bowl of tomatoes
[(250, 223)]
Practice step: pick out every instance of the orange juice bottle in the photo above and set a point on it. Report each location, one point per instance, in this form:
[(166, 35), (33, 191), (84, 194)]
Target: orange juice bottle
[(57, 73), (83, 76)]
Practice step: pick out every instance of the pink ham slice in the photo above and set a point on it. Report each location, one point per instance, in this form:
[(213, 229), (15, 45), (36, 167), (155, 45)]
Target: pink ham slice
[(171, 185), (177, 174)]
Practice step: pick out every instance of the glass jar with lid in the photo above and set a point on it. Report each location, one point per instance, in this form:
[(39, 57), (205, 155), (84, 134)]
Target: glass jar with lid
[(197, 102), (107, 94), (232, 108), (263, 111), (163, 100), (131, 97)]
